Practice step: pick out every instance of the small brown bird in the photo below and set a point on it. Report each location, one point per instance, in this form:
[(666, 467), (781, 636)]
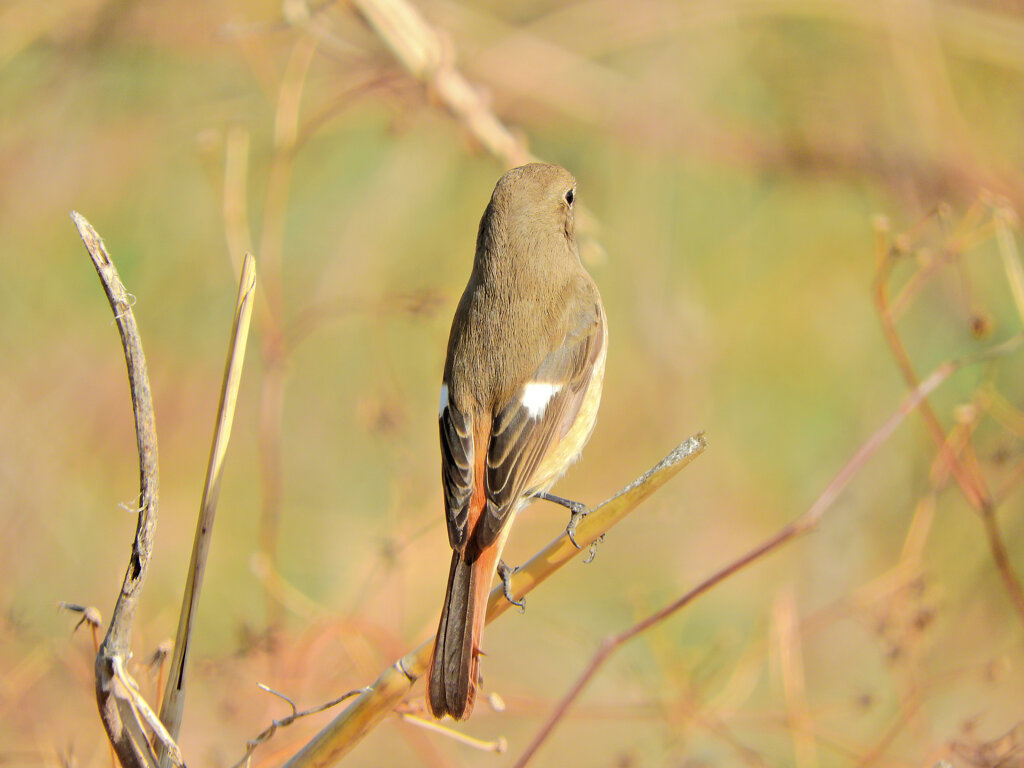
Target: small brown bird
[(522, 384)]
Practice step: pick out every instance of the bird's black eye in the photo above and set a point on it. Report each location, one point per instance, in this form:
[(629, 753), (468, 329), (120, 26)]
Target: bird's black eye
[(570, 196)]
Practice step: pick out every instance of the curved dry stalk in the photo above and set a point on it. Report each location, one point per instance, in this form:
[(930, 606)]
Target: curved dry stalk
[(366, 712), (802, 525), (119, 708), (174, 694)]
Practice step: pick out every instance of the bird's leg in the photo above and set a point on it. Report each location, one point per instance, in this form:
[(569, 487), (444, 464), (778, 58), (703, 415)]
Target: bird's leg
[(505, 574), (578, 512)]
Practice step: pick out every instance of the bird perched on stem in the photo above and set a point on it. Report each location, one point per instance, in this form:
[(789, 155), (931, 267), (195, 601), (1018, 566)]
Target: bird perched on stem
[(522, 384)]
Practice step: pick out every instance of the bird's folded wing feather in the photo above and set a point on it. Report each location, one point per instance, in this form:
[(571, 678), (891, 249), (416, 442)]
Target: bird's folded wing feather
[(456, 468), (539, 414)]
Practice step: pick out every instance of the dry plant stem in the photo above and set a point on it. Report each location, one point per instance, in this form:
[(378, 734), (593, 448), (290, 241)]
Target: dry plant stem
[(271, 729), (986, 35), (971, 483), (427, 56), (426, 747), (791, 667), (1002, 558), (233, 196), (174, 694), (286, 117), (270, 461), (115, 704), (1010, 483), (498, 746), (144, 713), (360, 717), (999, 408), (802, 525), (1011, 257)]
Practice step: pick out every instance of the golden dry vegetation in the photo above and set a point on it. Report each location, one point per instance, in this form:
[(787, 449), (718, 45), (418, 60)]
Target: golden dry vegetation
[(798, 211)]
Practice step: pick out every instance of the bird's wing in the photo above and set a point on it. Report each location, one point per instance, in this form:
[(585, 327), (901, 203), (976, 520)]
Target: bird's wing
[(456, 466), (539, 414)]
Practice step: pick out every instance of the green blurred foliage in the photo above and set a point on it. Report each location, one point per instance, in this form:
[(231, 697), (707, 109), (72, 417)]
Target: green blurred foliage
[(735, 155)]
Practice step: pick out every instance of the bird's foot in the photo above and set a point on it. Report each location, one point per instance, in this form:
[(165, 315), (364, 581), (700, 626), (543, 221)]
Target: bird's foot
[(577, 512), (505, 574)]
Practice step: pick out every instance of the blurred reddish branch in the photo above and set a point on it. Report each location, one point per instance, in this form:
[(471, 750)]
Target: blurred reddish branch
[(267, 733), (939, 127), (967, 473), (804, 524)]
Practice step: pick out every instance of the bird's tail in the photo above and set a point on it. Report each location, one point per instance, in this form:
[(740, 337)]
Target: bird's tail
[(454, 662)]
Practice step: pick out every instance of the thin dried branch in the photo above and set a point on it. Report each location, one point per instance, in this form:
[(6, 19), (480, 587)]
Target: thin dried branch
[(428, 57), (1006, 750), (113, 697), (968, 476), (1004, 218), (90, 618), (343, 733), (1001, 558), (976, 495), (268, 732), (174, 694), (498, 746), (580, 89), (807, 522), (786, 627), (271, 322), (234, 209), (157, 662)]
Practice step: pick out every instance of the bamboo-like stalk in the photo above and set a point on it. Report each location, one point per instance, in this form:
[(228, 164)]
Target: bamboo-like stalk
[(346, 730), (174, 694)]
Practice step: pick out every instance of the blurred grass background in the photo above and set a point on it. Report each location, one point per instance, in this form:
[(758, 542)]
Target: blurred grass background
[(735, 154)]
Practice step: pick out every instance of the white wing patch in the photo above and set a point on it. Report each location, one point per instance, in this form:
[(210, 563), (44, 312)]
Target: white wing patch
[(444, 401), (537, 395)]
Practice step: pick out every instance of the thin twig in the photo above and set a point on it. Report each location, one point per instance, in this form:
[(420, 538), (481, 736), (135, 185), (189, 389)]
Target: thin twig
[(429, 57), (271, 325), (1001, 557), (498, 746), (121, 723), (794, 684), (797, 528), (976, 495), (970, 482), (270, 730), (343, 733), (1004, 218)]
